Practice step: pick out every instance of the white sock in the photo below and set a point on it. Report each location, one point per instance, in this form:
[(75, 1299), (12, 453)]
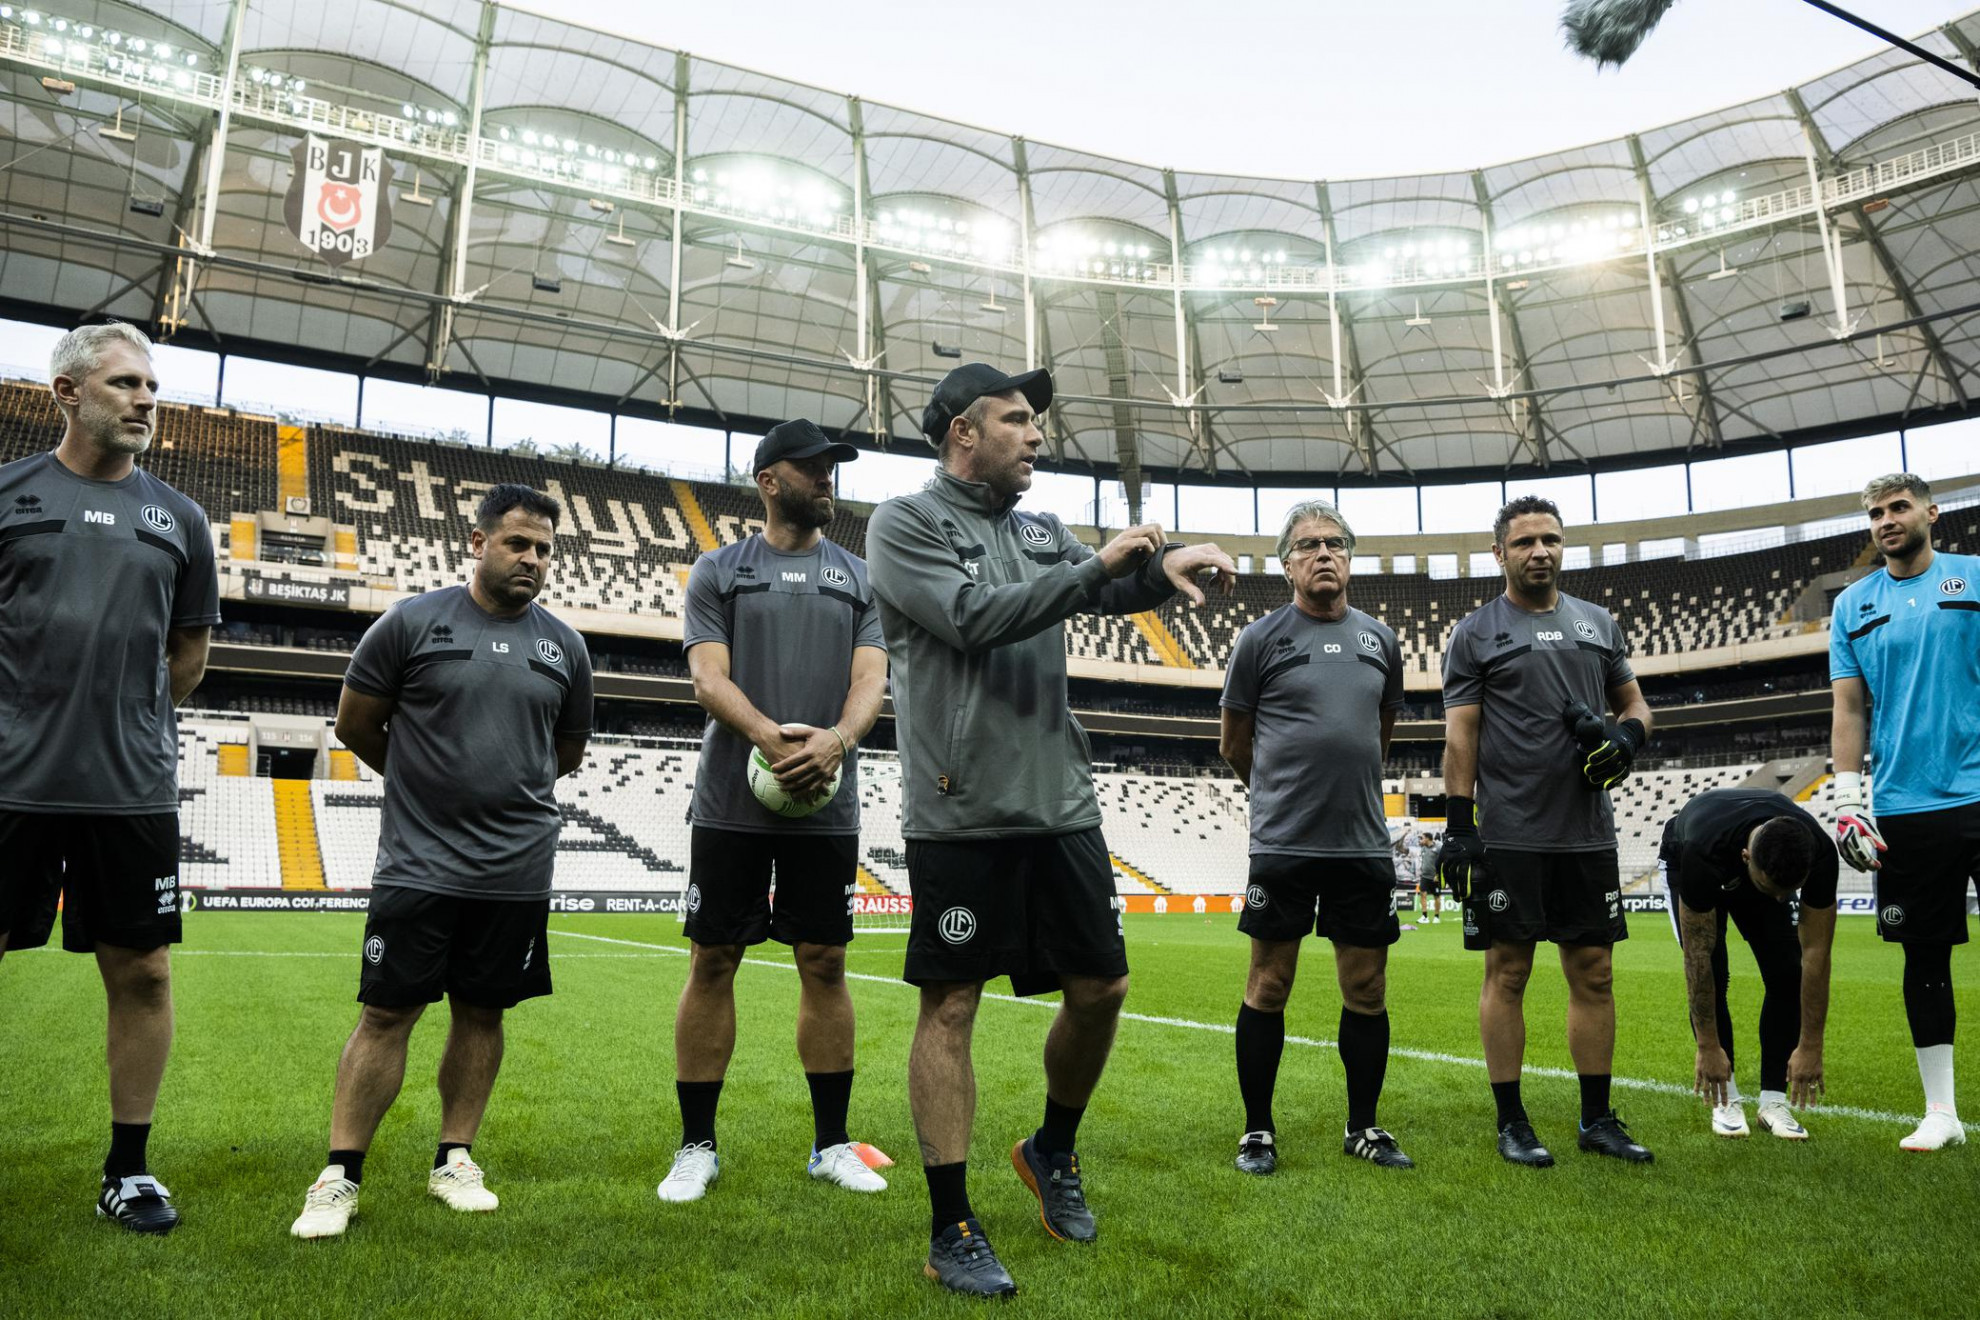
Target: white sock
[(1773, 1098), (1732, 1091), (1935, 1070)]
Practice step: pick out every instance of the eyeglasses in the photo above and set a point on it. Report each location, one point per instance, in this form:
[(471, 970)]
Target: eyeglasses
[(1312, 545)]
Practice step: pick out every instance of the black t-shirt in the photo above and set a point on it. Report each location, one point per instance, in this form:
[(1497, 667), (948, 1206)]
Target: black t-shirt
[(1702, 847)]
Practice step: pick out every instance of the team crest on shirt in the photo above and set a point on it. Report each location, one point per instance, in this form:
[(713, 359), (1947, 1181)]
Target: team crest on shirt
[(1037, 534), (158, 519), (1369, 642), (1585, 630), (834, 577), (551, 652), (1953, 586)]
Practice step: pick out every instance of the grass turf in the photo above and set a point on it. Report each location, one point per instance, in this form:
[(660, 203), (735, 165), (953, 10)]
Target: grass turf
[(583, 1124)]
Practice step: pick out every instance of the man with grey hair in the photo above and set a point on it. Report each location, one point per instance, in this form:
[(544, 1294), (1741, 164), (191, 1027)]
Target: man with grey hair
[(1904, 662), (1311, 693), (107, 593), (1009, 871)]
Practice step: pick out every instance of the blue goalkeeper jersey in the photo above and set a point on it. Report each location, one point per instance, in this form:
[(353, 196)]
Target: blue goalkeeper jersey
[(1915, 642)]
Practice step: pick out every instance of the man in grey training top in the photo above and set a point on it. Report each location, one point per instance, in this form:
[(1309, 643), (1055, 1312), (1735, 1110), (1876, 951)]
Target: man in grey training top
[(1311, 693), (1530, 845), (107, 594), (784, 644), (471, 701), (1009, 871)]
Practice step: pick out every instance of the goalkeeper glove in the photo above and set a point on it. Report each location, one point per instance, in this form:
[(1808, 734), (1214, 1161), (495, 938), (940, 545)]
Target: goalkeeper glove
[(1463, 863), (1857, 837), (1609, 762)]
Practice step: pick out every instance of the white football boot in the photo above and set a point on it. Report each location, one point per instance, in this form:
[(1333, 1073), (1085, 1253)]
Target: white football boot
[(1730, 1120), (842, 1166), (458, 1183), (1940, 1128), (328, 1207), (1778, 1120), (694, 1168)]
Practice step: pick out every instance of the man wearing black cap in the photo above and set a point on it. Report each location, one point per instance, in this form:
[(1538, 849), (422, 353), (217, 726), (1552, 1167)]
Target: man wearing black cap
[(785, 648), (1009, 871)]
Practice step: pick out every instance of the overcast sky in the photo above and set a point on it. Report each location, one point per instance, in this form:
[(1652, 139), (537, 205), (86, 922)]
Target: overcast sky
[(1321, 89)]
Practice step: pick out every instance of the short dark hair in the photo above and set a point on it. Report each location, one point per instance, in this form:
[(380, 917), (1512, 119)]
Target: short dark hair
[(514, 495), (1784, 852), (1524, 504)]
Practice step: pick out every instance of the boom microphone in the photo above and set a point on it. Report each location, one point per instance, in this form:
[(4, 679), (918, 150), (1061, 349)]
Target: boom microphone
[(1609, 31)]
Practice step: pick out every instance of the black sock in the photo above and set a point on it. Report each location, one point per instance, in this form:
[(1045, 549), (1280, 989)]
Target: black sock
[(831, 1096), (1594, 1097), (948, 1195), (353, 1162), (1364, 1043), (1928, 994), (447, 1148), (1057, 1134), (1261, 1039), (698, 1111), (126, 1155), (1506, 1096)]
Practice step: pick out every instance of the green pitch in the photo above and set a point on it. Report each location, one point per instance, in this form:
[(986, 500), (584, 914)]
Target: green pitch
[(583, 1124)]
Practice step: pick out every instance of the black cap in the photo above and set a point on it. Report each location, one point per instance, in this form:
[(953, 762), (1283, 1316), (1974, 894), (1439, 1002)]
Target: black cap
[(970, 382), (799, 438)]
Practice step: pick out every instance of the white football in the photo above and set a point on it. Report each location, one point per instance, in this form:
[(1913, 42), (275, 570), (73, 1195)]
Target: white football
[(772, 795)]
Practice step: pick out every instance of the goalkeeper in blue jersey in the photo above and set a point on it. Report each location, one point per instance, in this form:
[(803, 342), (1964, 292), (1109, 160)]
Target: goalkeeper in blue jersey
[(1904, 664)]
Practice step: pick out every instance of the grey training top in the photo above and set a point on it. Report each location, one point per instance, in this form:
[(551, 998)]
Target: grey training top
[(471, 765), (1316, 691), (974, 596), (791, 623), (1524, 669), (93, 576)]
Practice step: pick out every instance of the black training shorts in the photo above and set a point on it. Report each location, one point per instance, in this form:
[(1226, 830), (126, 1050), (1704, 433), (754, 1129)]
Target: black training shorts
[(728, 897), (1561, 897), (1033, 907), (1349, 900), (117, 878), (1921, 889), (488, 952)]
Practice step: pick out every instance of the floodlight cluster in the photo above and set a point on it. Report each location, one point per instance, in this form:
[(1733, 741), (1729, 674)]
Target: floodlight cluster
[(1593, 238), (1088, 256), (922, 231), (87, 45), (760, 193), (554, 153), (1712, 208), (1237, 265)]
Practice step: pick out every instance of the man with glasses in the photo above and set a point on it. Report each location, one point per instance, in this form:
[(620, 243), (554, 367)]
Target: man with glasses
[(1310, 697), (1752, 855), (1534, 856)]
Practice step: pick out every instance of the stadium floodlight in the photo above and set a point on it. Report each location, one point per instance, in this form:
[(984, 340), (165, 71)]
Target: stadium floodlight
[(943, 350), (1229, 376), (546, 284), (6, 12)]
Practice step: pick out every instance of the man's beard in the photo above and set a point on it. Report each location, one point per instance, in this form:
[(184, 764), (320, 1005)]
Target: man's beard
[(1909, 547), (107, 429), (802, 510)]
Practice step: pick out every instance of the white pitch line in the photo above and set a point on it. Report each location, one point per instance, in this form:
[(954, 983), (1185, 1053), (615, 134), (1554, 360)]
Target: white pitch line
[(1222, 1029)]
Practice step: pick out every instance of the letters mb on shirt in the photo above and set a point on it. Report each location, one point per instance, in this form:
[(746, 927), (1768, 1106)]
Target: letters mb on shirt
[(99, 516)]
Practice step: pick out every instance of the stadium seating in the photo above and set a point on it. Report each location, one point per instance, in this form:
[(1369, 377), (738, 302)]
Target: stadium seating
[(226, 823)]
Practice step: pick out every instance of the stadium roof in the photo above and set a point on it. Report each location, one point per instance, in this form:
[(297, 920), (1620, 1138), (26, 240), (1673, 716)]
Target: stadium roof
[(577, 214)]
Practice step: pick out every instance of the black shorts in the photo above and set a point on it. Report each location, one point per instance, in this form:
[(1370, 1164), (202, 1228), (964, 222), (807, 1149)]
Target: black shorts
[(117, 878), (1561, 897), (728, 897), (488, 952), (1349, 900), (1033, 908), (1921, 888)]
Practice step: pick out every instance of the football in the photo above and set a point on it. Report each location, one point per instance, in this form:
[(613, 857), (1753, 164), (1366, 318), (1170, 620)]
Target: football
[(773, 797)]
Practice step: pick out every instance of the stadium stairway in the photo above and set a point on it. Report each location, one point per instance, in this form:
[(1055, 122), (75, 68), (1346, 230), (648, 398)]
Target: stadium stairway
[(291, 463), (1136, 873), (295, 835), (1161, 641), (697, 520), (869, 883), (343, 764)]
